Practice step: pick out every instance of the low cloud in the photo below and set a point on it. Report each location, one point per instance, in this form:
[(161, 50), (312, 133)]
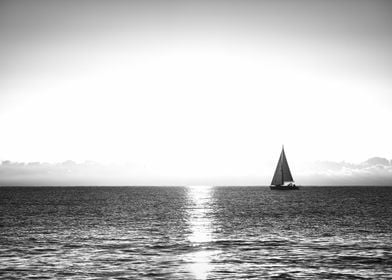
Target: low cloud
[(374, 171), (69, 173)]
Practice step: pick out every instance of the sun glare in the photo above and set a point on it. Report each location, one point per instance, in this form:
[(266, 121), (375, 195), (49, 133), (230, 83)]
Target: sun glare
[(175, 108)]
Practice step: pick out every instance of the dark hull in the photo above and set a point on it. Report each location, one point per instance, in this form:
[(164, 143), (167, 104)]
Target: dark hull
[(284, 188)]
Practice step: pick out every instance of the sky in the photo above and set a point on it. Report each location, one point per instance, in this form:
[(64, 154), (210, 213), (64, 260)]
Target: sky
[(194, 92)]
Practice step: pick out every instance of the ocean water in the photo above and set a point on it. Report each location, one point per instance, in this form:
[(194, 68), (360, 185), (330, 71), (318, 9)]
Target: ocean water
[(195, 233)]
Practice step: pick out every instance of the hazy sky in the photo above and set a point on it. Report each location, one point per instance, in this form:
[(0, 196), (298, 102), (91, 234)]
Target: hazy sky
[(196, 88)]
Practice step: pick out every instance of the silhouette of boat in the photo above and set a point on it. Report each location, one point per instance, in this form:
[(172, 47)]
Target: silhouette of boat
[(283, 180)]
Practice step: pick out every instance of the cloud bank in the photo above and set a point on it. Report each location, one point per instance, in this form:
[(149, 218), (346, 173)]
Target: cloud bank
[(69, 173), (374, 171)]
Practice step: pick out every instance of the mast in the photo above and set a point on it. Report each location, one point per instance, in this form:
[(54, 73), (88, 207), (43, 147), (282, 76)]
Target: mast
[(281, 166)]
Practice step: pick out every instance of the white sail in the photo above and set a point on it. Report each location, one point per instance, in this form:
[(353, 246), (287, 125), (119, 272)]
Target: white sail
[(282, 172)]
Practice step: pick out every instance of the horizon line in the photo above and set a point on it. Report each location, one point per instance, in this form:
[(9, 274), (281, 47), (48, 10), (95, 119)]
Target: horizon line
[(178, 186)]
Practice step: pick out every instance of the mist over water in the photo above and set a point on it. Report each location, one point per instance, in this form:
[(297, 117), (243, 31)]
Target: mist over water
[(195, 233)]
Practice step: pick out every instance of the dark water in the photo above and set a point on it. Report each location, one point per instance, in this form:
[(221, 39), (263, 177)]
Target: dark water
[(196, 233)]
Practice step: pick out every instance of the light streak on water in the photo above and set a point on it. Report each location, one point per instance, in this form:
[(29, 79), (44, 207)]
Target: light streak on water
[(201, 228)]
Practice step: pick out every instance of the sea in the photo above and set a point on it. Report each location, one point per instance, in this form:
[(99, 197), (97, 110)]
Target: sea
[(197, 232)]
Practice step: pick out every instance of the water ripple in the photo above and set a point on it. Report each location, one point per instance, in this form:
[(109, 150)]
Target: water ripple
[(195, 233)]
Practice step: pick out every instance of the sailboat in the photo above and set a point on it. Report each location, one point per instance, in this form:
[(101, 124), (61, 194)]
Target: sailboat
[(283, 180)]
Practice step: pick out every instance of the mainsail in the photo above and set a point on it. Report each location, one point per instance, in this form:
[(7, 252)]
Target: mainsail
[(282, 172)]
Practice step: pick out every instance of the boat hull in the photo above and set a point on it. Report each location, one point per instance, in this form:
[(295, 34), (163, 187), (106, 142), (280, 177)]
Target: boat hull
[(284, 188)]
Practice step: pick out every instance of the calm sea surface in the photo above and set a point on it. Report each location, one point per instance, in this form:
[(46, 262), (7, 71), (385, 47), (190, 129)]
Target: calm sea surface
[(195, 233)]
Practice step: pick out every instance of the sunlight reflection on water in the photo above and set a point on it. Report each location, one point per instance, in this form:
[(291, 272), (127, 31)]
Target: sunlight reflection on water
[(200, 233), (200, 223)]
